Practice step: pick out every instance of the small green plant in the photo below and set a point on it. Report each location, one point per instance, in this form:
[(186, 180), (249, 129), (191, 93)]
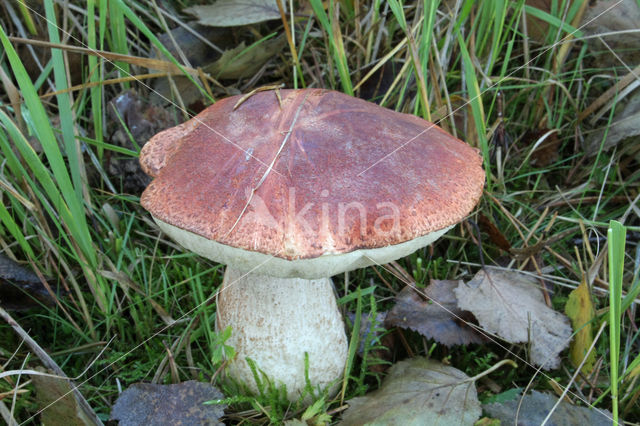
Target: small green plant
[(220, 350)]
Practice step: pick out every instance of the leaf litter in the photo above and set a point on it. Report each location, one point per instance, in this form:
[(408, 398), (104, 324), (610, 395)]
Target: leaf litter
[(182, 403), (56, 400), (437, 317), (418, 391), (532, 409), (510, 305)]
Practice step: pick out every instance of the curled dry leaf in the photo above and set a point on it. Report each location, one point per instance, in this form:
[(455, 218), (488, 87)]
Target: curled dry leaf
[(418, 392), (437, 317), (182, 403), (232, 13), (534, 407), (510, 305)]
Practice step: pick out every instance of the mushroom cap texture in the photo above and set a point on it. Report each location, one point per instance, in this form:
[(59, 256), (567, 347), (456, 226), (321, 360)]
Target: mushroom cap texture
[(318, 174)]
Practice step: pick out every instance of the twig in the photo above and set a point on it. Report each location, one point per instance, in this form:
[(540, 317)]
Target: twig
[(275, 158)]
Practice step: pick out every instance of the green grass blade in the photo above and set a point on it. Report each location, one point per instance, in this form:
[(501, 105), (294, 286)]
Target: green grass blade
[(118, 34), (477, 109), (353, 343), (335, 43), (553, 21), (95, 74), (616, 241), (72, 147), (137, 22), (44, 132)]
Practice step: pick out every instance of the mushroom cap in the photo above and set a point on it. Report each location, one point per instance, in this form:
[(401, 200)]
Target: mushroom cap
[(311, 186)]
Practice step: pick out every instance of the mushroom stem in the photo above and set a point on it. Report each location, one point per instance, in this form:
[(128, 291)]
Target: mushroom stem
[(274, 322)]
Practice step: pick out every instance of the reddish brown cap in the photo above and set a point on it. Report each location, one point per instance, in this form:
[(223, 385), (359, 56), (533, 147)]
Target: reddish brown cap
[(322, 173)]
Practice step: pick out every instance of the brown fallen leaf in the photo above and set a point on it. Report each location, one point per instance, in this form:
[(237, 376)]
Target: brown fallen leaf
[(537, 29), (182, 403), (510, 305), (495, 235), (438, 318), (418, 391), (534, 407)]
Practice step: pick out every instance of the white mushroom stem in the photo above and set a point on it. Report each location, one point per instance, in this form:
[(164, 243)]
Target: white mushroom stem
[(275, 321)]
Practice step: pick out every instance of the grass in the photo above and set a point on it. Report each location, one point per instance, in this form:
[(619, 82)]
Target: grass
[(483, 70)]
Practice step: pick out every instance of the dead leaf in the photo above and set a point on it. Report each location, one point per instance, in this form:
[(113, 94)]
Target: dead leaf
[(142, 120), (537, 405), (580, 311), (418, 392), (438, 318), (495, 235), (510, 305), (233, 13), (182, 403), (57, 401), (620, 21), (20, 288), (624, 126)]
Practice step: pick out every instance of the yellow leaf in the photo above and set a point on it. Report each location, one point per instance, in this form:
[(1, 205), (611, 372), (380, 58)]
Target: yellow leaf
[(580, 311)]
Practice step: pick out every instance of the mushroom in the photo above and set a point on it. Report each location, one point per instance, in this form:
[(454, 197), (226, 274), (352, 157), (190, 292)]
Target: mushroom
[(288, 191)]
